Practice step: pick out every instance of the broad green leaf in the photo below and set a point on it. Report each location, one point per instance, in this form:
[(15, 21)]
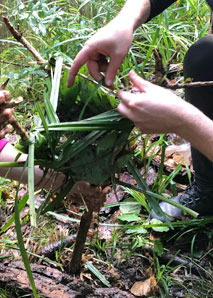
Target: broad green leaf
[(129, 217), (158, 229), (130, 208), (136, 230), (68, 96)]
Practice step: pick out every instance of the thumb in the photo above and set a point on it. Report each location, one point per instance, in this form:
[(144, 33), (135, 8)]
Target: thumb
[(138, 82), (114, 64)]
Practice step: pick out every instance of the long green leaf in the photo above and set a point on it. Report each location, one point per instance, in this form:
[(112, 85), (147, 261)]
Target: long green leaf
[(31, 184), (90, 97), (21, 241), (59, 197), (41, 114), (142, 184), (97, 274), (56, 83), (52, 102)]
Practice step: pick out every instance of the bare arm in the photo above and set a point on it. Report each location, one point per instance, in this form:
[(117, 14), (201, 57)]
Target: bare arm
[(81, 188), (9, 153), (112, 41), (158, 110)]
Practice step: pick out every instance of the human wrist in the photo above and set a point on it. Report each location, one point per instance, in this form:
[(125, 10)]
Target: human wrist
[(192, 123), (134, 13)]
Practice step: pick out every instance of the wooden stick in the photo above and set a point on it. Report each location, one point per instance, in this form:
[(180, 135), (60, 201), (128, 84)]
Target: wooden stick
[(13, 63), (18, 36), (19, 129), (187, 85), (86, 220)]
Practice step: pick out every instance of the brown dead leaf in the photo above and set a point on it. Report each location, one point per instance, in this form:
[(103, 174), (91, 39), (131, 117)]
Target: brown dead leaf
[(180, 153), (105, 232), (152, 237), (145, 288), (114, 274)]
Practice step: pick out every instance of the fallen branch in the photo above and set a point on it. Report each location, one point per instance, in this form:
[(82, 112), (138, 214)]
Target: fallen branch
[(112, 292), (13, 63), (49, 281), (19, 37), (48, 250), (187, 85), (166, 257)]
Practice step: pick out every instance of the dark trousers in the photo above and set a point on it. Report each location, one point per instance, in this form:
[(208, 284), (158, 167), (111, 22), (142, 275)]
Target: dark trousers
[(198, 65)]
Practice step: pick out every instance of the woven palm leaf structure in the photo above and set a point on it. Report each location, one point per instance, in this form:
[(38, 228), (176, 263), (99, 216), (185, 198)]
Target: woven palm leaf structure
[(91, 149)]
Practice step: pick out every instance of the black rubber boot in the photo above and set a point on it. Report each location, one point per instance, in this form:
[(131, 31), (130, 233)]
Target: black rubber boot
[(196, 197), (198, 65)]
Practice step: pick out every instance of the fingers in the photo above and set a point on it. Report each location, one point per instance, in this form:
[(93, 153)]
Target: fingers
[(125, 107), (80, 59), (127, 97), (4, 96), (112, 69), (94, 70), (3, 132), (138, 82), (5, 117)]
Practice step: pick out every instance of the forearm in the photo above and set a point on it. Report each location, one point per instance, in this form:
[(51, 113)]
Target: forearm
[(198, 130), (9, 153), (137, 12), (134, 13)]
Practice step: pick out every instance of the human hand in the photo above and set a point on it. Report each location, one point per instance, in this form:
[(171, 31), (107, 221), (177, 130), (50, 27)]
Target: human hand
[(6, 115), (154, 109), (112, 41)]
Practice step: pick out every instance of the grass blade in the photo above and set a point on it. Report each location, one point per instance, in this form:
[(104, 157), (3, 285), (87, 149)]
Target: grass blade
[(97, 273), (21, 241), (31, 184)]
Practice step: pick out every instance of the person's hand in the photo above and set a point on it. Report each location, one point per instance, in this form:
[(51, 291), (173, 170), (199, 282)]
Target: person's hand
[(6, 115), (154, 109), (111, 42)]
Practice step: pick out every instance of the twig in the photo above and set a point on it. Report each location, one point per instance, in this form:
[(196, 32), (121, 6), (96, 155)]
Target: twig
[(19, 129), (187, 85), (166, 257), (13, 63), (48, 250), (18, 36)]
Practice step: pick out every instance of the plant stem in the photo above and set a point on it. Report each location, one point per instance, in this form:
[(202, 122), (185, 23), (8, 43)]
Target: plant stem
[(86, 220)]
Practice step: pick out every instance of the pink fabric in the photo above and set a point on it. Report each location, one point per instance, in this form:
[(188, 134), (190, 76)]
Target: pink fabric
[(3, 142)]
